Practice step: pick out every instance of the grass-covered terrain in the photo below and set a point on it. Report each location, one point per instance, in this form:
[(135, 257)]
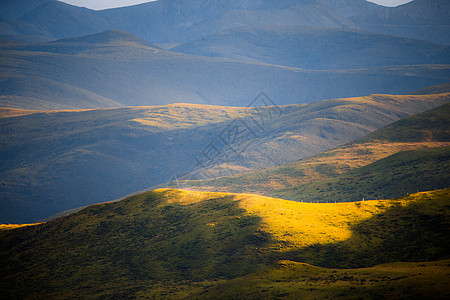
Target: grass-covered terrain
[(399, 174), (175, 244), (404, 157), (291, 280), (57, 160)]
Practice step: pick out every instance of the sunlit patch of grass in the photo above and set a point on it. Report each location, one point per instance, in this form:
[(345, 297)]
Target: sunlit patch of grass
[(14, 226)]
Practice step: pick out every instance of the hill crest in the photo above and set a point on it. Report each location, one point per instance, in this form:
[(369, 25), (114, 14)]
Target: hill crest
[(110, 37)]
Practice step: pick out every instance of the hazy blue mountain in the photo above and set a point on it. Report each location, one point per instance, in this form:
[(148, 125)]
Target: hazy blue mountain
[(420, 19), (180, 21), (435, 89), (168, 20), (15, 9), (19, 27), (350, 8), (62, 20), (29, 39), (314, 48), (110, 71)]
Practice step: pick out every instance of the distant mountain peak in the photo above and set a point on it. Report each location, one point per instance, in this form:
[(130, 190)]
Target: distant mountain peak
[(108, 37)]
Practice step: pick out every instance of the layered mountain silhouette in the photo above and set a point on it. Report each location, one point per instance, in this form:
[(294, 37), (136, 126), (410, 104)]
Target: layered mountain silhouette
[(172, 21), (213, 105), (114, 68), (255, 46), (167, 21)]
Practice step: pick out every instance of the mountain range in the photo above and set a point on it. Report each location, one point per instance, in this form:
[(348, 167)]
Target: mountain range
[(314, 48), (54, 161), (420, 19), (380, 165), (225, 149), (168, 21), (58, 56), (114, 69)]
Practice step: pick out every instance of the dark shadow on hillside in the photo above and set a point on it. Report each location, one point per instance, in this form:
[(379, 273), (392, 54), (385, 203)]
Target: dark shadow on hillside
[(419, 231), (130, 245)]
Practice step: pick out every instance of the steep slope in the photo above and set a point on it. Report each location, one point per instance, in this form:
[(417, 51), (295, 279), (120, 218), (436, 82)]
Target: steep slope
[(170, 21), (349, 8), (379, 156), (182, 21), (61, 20), (420, 19), (56, 161), (313, 48), (74, 74), (171, 243), (13, 9)]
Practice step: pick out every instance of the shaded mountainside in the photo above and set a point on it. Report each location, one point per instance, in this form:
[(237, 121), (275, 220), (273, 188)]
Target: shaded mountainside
[(349, 8), (172, 243), (420, 19), (55, 161), (167, 20), (13, 9), (313, 48), (435, 89), (114, 69), (375, 166)]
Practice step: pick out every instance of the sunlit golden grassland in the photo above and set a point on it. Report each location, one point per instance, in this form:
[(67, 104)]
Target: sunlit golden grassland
[(183, 244), (15, 226), (297, 225)]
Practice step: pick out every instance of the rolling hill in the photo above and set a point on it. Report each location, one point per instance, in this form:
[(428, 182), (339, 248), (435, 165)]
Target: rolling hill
[(314, 48), (177, 244), (408, 155), (117, 69), (58, 160)]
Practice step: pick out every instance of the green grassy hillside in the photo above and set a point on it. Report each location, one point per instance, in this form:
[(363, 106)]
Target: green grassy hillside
[(400, 158), (290, 280), (399, 174), (58, 160), (174, 244)]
